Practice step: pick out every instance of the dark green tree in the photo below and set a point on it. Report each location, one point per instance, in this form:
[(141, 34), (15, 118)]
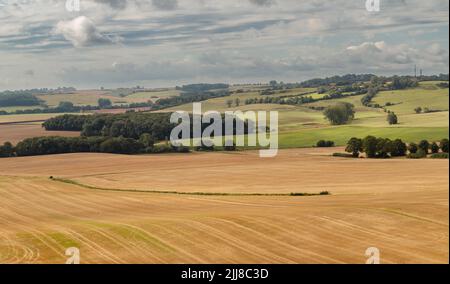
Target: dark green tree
[(444, 145), (398, 148), (354, 146), (104, 103), (434, 148), (147, 140), (392, 118), (370, 146), (7, 150), (413, 148), (340, 113), (384, 146), (424, 145), (65, 106)]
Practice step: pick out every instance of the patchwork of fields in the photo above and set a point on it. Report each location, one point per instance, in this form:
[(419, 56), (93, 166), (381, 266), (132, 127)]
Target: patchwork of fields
[(233, 207), (301, 126)]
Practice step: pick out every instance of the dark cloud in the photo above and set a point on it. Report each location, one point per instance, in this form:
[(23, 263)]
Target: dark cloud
[(165, 4), (116, 4), (264, 3)]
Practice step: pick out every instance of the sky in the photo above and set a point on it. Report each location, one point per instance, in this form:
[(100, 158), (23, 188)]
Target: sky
[(162, 43)]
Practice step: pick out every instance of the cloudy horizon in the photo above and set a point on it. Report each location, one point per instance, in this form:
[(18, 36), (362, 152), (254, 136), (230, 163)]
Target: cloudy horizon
[(162, 43)]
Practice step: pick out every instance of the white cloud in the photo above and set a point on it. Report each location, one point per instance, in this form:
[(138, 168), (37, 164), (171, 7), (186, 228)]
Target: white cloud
[(81, 31)]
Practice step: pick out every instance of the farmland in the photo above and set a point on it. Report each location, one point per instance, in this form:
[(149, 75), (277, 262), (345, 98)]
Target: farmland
[(42, 217), (301, 126), (14, 128), (16, 132), (242, 133), (234, 207)]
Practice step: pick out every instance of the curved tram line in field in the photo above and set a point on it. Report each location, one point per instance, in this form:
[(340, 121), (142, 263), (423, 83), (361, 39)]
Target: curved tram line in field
[(69, 181), (40, 218)]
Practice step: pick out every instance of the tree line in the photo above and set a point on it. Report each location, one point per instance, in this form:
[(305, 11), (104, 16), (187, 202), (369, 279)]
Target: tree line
[(200, 88), (186, 98), (18, 99), (63, 145), (128, 125), (375, 147)]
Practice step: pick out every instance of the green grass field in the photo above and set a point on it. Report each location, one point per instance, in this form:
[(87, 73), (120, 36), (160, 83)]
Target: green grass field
[(301, 126), (341, 134), (405, 101)]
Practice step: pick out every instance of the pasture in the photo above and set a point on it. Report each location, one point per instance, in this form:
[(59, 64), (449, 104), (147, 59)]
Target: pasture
[(301, 126), (401, 211)]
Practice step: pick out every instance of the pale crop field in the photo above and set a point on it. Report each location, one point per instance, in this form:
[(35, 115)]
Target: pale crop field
[(78, 98), (17, 132), (405, 101), (153, 96), (27, 117), (399, 206), (15, 128)]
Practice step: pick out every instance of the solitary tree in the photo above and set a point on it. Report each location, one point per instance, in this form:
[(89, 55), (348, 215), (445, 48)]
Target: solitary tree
[(104, 103), (392, 118), (6, 150), (418, 110), (229, 103), (237, 102), (340, 113), (65, 106), (354, 146)]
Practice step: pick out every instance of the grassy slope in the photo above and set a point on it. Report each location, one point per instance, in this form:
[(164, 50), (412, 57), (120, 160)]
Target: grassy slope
[(341, 134), (303, 127), (407, 100)]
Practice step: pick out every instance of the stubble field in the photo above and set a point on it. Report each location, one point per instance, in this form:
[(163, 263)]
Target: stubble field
[(399, 206)]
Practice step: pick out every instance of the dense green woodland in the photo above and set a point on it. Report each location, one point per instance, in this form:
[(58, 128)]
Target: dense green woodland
[(129, 125), (18, 99), (60, 145)]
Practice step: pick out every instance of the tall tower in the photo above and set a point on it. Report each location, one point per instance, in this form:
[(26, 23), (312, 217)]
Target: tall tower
[(415, 71)]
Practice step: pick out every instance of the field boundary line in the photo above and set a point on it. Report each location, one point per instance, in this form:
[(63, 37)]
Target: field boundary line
[(69, 181)]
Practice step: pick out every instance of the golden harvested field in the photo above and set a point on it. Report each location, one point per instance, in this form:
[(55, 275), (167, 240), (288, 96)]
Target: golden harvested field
[(27, 117), (16, 132), (399, 206)]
